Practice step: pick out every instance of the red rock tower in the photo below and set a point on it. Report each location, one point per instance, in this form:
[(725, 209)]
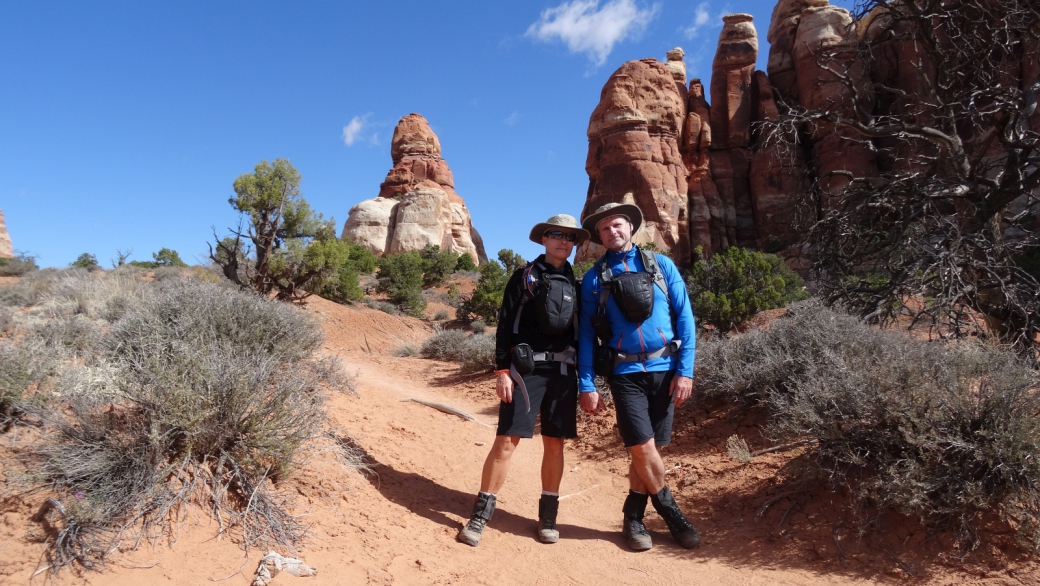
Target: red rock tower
[(417, 204), (6, 248)]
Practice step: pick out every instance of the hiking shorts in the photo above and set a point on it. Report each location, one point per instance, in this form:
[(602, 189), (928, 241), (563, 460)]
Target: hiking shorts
[(644, 407), (553, 395)]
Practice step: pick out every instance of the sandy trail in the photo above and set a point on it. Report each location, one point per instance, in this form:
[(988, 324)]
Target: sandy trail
[(397, 524)]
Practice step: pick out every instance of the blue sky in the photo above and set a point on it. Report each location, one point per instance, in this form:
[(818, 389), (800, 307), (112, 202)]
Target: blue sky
[(124, 124)]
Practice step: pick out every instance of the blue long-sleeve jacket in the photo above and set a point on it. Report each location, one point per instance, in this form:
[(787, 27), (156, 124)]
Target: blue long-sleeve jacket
[(653, 334)]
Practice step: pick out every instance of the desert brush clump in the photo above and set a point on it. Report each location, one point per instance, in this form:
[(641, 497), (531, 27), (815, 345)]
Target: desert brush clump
[(942, 432), (19, 265), (473, 352), (154, 396)]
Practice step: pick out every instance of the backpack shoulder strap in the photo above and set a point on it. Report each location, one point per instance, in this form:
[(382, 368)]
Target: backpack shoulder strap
[(651, 266), (605, 277), (527, 289)]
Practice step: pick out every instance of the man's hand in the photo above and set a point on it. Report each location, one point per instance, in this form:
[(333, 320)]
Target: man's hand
[(590, 402), (680, 389), (504, 387)]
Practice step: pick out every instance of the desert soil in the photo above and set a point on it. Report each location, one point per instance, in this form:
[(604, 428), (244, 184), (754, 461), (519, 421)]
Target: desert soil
[(396, 524)]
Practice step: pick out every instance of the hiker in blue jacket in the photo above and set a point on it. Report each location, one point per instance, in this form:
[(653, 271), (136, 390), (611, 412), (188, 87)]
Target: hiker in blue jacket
[(534, 362), (636, 304)]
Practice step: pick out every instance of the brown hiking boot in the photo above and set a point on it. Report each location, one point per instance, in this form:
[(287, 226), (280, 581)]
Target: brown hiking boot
[(632, 528), (682, 530), (548, 506), (483, 508)]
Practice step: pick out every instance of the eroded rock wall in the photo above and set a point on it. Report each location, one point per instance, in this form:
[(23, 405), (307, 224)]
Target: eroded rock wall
[(745, 182)]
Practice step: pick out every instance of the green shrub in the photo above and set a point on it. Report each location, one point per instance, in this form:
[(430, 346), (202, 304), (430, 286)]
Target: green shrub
[(438, 265), (401, 278), (477, 326), (510, 260), (939, 432), (292, 245), (341, 263), (348, 284), (17, 266), (361, 258), (441, 315), (86, 261), (166, 257), (734, 285), (465, 263), (487, 297)]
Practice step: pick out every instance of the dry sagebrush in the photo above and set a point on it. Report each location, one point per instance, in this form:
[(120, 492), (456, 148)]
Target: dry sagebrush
[(170, 393), (942, 432)]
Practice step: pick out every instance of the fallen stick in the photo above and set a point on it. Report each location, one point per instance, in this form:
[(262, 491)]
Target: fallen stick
[(781, 448), (447, 409)]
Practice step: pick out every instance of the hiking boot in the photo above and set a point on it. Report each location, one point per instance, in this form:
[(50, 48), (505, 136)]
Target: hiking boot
[(632, 528), (682, 530), (483, 508), (548, 506)]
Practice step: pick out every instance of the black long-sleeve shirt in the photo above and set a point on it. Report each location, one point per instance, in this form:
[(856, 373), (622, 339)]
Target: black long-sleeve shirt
[(528, 331)]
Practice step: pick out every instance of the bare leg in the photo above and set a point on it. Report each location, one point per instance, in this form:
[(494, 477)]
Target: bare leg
[(552, 463), (496, 466), (646, 472)]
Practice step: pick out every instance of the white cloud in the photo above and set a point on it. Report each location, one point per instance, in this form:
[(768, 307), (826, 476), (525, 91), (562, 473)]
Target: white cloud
[(513, 119), (701, 18), (588, 28), (352, 130)]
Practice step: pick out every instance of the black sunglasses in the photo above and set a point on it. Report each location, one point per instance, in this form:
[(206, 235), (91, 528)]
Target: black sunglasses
[(557, 235)]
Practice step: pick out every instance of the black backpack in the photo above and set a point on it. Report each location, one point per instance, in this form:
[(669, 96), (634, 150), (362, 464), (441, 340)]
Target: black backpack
[(633, 292), (556, 300)]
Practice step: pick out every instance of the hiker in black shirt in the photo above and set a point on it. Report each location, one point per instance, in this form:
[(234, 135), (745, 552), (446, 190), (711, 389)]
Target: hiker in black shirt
[(535, 373)]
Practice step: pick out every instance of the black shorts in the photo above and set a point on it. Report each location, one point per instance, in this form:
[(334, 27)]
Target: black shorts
[(644, 406), (552, 394)]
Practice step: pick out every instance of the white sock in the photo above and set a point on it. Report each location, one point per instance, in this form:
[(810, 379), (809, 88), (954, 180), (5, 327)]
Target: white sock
[(487, 493), (547, 493)]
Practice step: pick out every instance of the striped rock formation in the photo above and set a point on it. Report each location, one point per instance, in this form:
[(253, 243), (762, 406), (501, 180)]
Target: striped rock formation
[(634, 153), (417, 204)]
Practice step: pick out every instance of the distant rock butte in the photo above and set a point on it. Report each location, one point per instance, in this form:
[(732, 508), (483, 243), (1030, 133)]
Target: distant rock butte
[(709, 176), (417, 204), (6, 248)]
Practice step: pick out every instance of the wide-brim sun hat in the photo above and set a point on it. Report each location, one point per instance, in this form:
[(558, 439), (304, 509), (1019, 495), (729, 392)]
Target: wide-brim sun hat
[(629, 210), (563, 223)]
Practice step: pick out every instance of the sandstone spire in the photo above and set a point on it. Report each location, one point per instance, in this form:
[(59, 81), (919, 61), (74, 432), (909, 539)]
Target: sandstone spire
[(633, 149), (6, 248), (731, 126), (417, 204)]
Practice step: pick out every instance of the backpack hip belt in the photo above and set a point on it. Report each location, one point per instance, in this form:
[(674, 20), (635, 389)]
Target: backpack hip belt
[(670, 350), (564, 358)]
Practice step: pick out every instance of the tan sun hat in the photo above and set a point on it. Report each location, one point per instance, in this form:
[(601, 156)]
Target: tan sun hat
[(563, 223), (629, 210)]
